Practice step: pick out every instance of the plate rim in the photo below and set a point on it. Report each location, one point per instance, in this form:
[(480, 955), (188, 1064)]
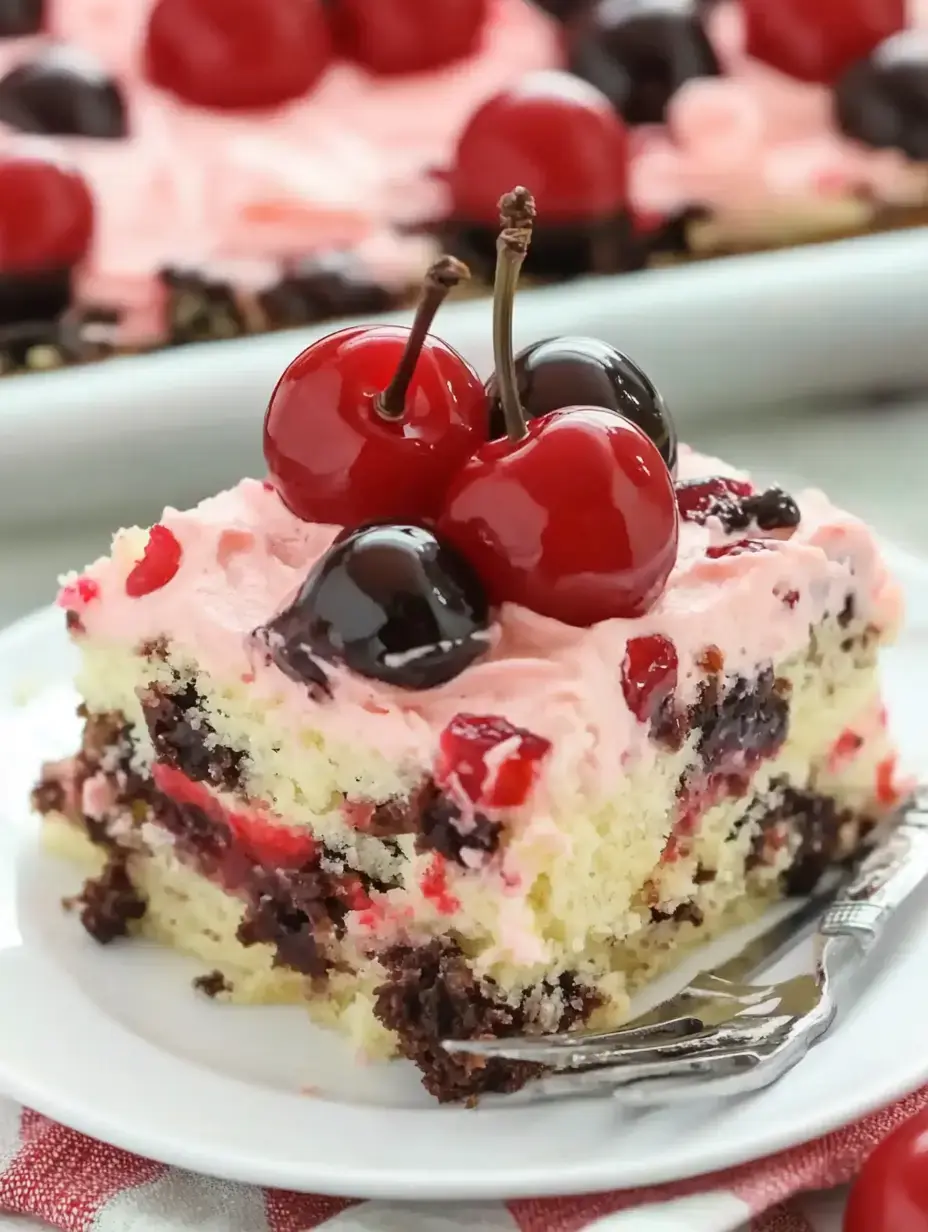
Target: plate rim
[(353, 1174)]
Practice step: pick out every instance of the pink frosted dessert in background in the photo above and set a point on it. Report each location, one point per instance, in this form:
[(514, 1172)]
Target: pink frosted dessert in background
[(481, 708), (256, 164)]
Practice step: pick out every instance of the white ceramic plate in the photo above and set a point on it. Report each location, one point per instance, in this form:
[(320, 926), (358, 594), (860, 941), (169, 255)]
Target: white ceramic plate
[(833, 320), (115, 1043)]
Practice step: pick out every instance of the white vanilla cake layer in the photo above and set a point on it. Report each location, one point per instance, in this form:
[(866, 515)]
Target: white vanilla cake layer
[(575, 871)]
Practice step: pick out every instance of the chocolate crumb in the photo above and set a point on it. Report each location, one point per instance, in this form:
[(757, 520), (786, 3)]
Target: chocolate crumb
[(108, 904), (848, 612), (682, 913), (212, 984), (442, 829)]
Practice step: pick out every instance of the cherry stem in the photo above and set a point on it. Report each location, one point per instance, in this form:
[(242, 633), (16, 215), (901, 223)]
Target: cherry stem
[(516, 215), (441, 278)]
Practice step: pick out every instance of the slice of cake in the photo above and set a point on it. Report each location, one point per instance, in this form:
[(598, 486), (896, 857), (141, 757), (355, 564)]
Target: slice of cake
[(484, 778)]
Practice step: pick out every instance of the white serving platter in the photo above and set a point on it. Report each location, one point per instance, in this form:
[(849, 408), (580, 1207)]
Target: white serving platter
[(732, 335)]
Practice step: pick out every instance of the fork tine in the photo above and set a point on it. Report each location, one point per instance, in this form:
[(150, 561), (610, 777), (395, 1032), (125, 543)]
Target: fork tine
[(566, 1051), (593, 1054)]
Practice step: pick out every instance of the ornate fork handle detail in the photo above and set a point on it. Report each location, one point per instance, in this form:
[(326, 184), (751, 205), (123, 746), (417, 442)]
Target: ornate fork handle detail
[(883, 882)]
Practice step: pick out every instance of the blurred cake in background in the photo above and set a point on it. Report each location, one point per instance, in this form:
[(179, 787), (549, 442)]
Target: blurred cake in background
[(181, 170)]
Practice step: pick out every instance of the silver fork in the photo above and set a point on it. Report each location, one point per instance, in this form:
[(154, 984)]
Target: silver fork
[(756, 1045)]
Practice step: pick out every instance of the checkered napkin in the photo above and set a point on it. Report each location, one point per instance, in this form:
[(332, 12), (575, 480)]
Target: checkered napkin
[(75, 1184)]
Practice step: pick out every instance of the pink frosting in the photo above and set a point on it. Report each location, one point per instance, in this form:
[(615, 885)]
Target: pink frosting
[(339, 168), (755, 138), (244, 555)]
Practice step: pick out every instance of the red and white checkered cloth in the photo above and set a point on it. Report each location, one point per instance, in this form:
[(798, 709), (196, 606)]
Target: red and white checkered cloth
[(75, 1184)]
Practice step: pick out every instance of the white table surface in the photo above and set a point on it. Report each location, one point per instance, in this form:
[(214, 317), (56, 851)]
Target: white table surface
[(870, 459)]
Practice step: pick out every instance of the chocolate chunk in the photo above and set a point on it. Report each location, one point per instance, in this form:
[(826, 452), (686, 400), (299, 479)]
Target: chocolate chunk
[(39, 295), (184, 738), (109, 903), (748, 721), (684, 912), (332, 284), (431, 994), (443, 829), (213, 984), (19, 18), (200, 308), (295, 912), (63, 93)]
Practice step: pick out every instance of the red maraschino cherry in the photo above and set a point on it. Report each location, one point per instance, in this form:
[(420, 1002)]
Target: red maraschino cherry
[(46, 216), (816, 40), (390, 37), (233, 54), (372, 422), (572, 515)]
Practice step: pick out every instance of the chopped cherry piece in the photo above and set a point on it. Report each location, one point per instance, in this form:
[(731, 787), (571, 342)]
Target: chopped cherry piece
[(741, 547), (572, 515), (233, 54), (159, 563), (649, 674), (790, 598), (434, 886), (492, 762), (81, 591), (392, 37), (46, 216), (698, 498), (271, 844), (815, 40), (550, 130), (887, 791), (371, 423)]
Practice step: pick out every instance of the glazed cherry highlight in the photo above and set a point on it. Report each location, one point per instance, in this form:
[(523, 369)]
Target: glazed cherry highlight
[(817, 41), (371, 423), (231, 54), (46, 216), (572, 515), (391, 37), (559, 372)]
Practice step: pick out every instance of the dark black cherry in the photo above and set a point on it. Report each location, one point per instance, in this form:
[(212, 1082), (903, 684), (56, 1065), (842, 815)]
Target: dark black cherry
[(639, 53), (882, 100), (561, 372), (21, 17), (389, 601), (64, 93)]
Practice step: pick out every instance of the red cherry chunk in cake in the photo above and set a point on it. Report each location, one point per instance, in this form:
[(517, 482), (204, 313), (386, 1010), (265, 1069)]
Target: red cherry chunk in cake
[(390, 37), (492, 762), (741, 547), (159, 563), (79, 593), (649, 674), (698, 498), (46, 216), (236, 54), (815, 40)]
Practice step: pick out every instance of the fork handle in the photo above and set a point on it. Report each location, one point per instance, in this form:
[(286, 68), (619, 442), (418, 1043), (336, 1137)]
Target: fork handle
[(884, 881)]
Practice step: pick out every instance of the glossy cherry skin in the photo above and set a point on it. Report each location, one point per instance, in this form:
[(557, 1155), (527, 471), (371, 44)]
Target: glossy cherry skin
[(639, 54), (63, 93), (552, 132), (233, 54), (576, 521), (816, 41), (21, 17), (392, 37), (46, 216), (333, 457), (891, 1193), (562, 372), (390, 602), (883, 100)]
